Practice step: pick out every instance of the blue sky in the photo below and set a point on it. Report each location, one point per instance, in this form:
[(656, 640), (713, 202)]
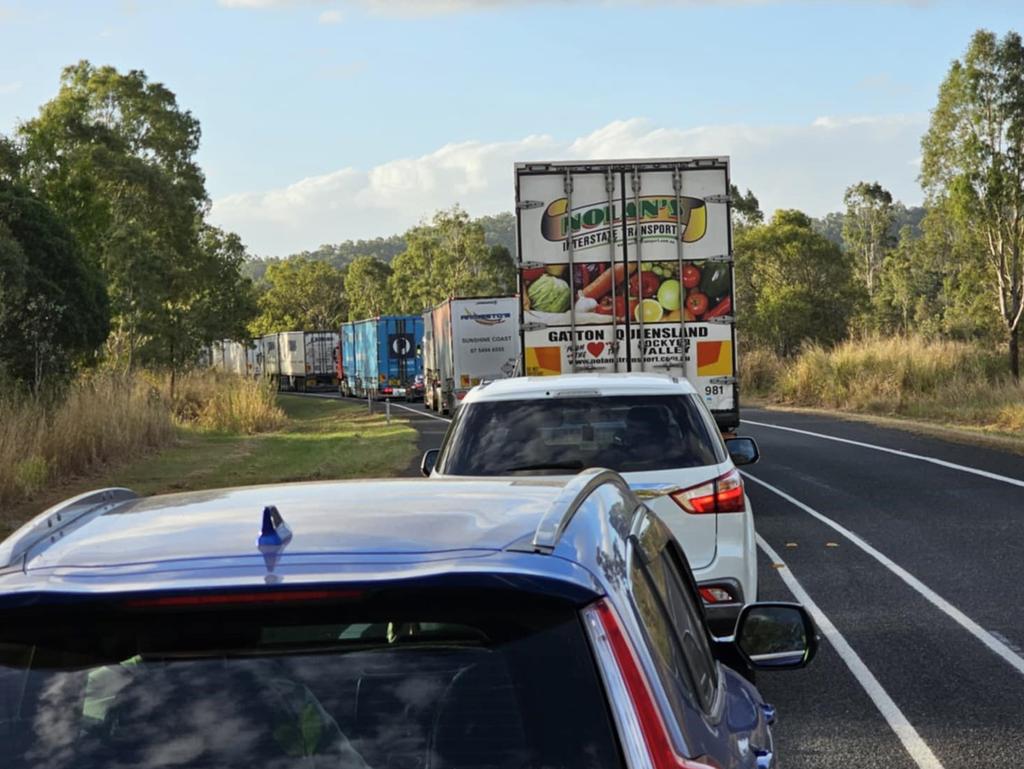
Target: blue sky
[(324, 120)]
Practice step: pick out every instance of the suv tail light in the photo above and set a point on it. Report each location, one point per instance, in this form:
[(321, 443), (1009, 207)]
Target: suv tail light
[(722, 495), (645, 739), (713, 594)]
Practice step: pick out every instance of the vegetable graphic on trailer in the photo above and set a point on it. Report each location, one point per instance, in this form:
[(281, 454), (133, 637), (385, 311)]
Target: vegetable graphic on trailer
[(378, 356), (627, 266)]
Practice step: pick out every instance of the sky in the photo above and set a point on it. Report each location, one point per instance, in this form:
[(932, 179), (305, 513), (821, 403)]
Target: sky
[(325, 120)]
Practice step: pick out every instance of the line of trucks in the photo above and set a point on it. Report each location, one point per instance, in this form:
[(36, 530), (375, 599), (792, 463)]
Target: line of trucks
[(623, 266)]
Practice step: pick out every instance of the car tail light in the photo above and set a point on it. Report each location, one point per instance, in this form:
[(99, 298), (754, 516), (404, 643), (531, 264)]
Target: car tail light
[(716, 594), (642, 728), (388, 391), (722, 495), (460, 394)]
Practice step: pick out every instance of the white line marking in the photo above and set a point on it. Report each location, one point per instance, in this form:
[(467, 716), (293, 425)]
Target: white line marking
[(1003, 650), (419, 412), (904, 730), (897, 452)]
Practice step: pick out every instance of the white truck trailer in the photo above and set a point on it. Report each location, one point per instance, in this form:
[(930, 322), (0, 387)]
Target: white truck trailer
[(627, 265), (467, 341), (230, 357), (299, 360)]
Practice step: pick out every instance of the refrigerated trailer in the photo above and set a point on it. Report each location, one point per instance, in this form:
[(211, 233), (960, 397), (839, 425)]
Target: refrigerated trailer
[(227, 356), (380, 357), (298, 360), (627, 265), (467, 341)]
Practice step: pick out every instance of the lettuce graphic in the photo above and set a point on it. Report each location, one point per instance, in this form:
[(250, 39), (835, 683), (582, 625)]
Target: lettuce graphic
[(549, 294)]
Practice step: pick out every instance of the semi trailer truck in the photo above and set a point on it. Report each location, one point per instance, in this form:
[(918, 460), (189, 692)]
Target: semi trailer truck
[(627, 265), (379, 357), (298, 360), (467, 341)]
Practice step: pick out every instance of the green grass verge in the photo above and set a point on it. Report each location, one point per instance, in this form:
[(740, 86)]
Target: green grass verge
[(321, 439)]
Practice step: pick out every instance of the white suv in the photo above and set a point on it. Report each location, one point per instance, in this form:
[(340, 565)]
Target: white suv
[(652, 428)]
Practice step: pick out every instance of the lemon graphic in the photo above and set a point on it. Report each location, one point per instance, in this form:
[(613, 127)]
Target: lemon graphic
[(651, 310)]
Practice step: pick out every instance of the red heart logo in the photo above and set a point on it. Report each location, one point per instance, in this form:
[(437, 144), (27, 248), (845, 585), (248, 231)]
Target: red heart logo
[(595, 348)]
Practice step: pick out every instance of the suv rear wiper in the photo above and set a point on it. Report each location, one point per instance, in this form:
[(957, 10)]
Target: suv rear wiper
[(545, 466)]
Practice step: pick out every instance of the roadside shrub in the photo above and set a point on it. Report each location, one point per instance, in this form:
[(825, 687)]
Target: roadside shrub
[(97, 419), (760, 370), (241, 406), (906, 376)]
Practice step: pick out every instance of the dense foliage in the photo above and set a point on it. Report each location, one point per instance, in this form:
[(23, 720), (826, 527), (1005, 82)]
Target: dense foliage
[(106, 204)]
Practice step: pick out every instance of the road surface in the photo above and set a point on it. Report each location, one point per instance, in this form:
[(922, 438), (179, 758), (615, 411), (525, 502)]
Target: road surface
[(911, 552)]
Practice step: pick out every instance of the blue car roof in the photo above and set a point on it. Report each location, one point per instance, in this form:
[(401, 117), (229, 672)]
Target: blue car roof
[(348, 531)]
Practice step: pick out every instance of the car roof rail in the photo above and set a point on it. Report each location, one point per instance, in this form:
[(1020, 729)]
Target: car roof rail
[(51, 524), (575, 492)]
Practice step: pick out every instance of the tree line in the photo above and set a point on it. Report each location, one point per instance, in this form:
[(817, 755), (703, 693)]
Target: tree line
[(446, 256), (105, 250), (954, 269)]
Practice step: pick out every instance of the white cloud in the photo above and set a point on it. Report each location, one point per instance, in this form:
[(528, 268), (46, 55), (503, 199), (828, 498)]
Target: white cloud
[(332, 16), (6, 88), (805, 166)]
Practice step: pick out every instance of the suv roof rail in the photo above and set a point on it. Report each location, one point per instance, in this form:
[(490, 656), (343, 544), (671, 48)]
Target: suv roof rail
[(51, 523), (575, 492)]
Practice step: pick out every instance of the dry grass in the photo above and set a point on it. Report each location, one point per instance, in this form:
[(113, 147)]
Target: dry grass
[(760, 370), (227, 404), (99, 419), (106, 418), (943, 381)]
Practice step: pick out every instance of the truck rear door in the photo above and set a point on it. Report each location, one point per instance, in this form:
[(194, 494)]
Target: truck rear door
[(627, 266)]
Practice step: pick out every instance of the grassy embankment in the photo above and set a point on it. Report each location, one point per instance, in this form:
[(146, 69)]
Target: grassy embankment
[(945, 383), (111, 431)]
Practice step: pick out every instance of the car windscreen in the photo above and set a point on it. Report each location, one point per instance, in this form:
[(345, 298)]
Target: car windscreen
[(438, 686), (563, 435)]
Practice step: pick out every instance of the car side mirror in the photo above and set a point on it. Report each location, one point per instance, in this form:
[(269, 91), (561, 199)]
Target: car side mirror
[(776, 636), (428, 462), (743, 451)]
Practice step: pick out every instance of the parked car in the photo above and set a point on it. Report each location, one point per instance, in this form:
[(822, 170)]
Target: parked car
[(458, 624), (652, 428)]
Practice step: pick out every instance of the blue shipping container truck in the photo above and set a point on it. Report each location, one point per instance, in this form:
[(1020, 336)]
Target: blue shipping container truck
[(380, 357)]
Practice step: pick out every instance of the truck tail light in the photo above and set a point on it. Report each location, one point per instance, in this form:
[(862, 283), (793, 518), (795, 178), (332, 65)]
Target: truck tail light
[(722, 495), (642, 729)]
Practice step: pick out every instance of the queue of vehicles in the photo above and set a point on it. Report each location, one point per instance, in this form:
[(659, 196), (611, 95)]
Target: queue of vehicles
[(618, 351)]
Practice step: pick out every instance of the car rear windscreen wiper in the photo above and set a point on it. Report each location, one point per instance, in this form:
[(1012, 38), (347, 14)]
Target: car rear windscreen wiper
[(545, 466)]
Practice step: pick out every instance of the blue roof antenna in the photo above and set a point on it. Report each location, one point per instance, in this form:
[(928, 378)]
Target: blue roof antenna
[(275, 532), (274, 535)]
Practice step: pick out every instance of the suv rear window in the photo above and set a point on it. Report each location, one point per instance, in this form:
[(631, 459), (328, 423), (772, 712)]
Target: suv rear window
[(431, 688), (628, 433)]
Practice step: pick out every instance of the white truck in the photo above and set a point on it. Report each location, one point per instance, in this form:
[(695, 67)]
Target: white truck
[(627, 265), (298, 360), (230, 357), (467, 341)]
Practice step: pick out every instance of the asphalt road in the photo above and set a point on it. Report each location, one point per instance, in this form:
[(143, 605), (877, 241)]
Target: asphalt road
[(911, 550)]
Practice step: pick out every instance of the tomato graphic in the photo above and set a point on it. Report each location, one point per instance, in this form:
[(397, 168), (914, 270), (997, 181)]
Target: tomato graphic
[(647, 282), (620, 307), (690, 276), (531, 274), (697, 303)]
